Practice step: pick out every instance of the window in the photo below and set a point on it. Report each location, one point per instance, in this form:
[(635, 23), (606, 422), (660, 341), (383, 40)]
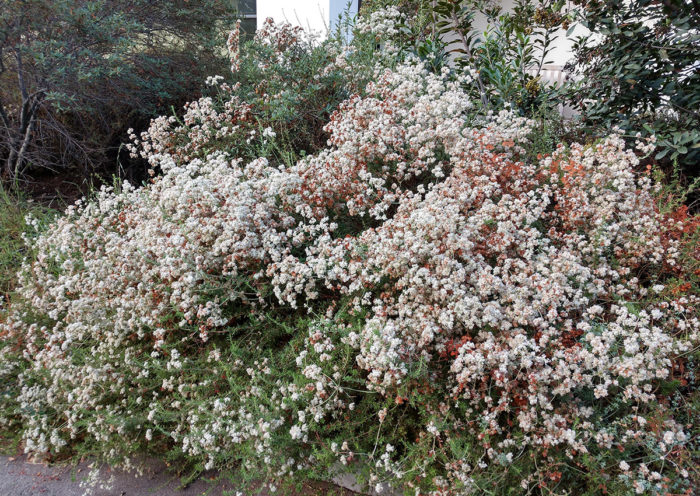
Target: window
[(247, 10)]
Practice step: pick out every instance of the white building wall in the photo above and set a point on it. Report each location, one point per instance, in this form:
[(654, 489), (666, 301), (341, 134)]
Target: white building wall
[(318, 16)]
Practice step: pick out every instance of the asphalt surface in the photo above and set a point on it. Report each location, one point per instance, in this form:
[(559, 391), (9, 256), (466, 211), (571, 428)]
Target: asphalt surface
[(21, 477)]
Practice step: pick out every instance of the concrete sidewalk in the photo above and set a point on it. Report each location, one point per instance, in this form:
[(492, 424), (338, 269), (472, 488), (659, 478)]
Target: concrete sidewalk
[(19, 477)]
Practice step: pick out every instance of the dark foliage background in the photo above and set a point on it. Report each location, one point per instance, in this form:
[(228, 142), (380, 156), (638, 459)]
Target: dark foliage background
[(75, 74), (639, 69)]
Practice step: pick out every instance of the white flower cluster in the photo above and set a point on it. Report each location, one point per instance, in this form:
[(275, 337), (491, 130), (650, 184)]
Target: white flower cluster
[(383, 22), (385, 26), (203, 122), (233, 46), (511, 287)]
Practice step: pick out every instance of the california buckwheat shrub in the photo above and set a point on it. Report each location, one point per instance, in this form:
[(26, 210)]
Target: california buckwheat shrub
[(417, 304)]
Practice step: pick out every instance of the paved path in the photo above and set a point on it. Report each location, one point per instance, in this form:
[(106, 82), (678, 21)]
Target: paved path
[(19, 477)]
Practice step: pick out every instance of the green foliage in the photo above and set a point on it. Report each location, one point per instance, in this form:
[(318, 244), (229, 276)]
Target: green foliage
[(14, 208), (510, 55), (75, 73), (14, 212), (294, 97), (638, 69), (275, 104)]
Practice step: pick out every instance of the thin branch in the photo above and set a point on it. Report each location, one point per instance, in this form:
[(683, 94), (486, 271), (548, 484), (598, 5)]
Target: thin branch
[(25, 144), (468, 51), (20, 75), (4, 116)]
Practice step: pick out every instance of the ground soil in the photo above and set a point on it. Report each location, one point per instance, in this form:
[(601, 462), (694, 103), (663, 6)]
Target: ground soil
[(21, 477)]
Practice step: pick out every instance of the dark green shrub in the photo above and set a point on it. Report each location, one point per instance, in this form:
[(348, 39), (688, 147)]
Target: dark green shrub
[(75, 73), (639, 70)]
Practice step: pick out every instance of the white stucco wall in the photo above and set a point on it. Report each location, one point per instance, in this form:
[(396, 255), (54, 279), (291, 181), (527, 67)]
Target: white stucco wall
[(318, 16)]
